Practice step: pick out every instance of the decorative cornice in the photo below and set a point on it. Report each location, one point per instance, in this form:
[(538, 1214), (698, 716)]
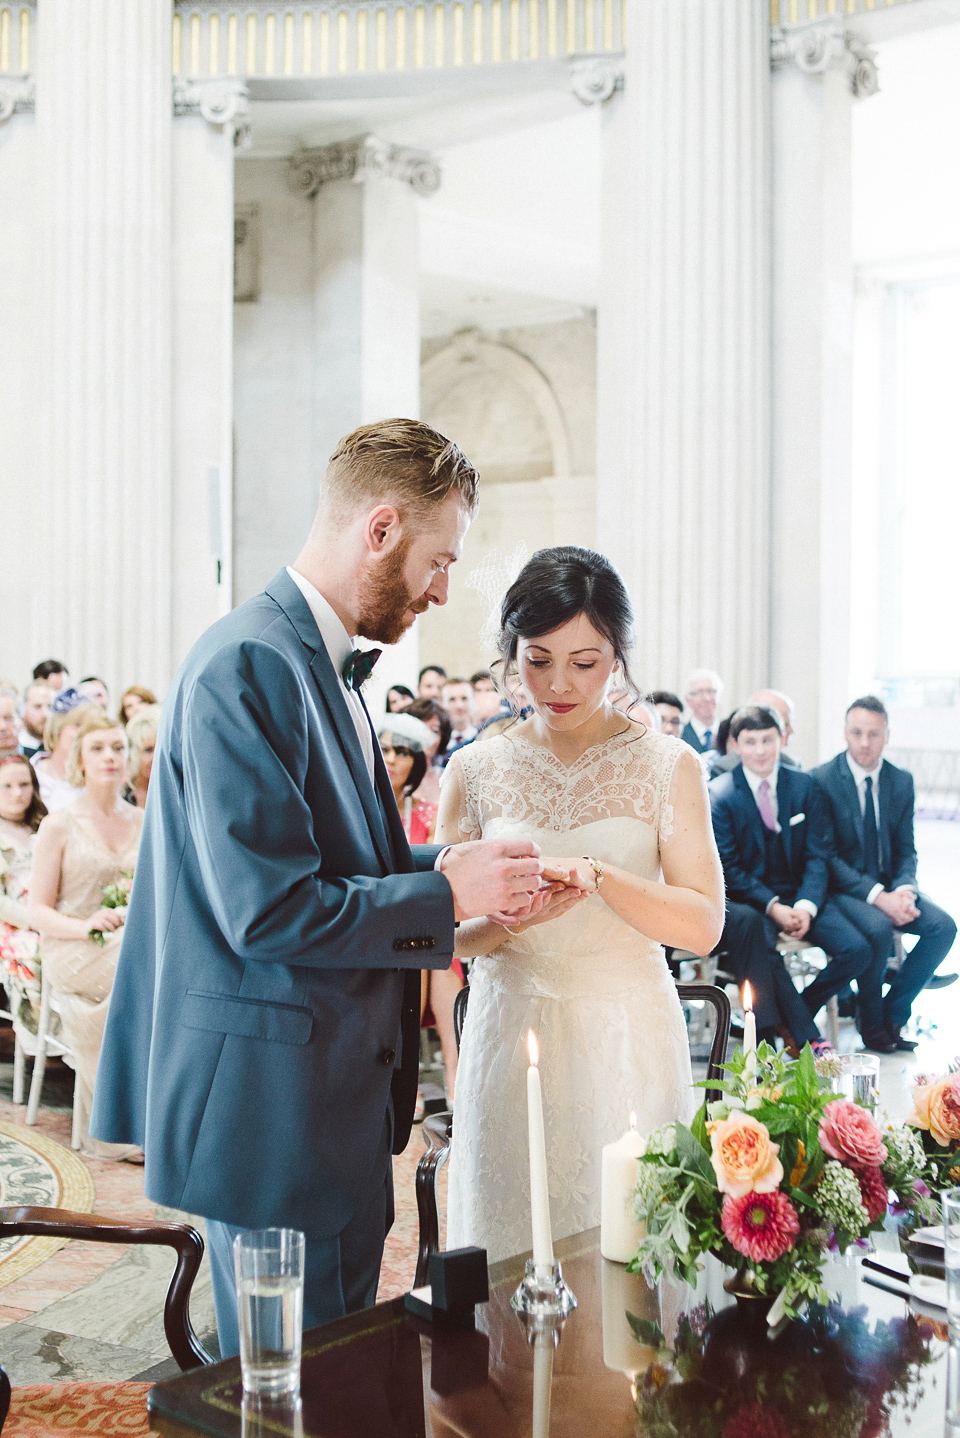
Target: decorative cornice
[(360, 159), (18, 94), (594, 79), (224, 102), (825, 45)]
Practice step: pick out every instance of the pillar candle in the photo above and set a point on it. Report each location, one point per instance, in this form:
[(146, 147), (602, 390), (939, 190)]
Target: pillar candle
[(749, 1031), (539, 1190), (620, 1232)]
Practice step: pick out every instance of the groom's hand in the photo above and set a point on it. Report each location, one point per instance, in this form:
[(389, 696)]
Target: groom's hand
[(490, 876)]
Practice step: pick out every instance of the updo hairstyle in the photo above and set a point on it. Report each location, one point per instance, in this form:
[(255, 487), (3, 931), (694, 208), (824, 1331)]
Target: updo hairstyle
[(553, 587)]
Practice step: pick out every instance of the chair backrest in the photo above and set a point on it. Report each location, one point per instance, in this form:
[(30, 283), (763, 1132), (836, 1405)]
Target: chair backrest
[(185, 1346), (707, 992)]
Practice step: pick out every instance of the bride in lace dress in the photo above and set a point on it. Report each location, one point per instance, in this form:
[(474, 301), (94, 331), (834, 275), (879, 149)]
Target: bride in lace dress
[(585, 969)]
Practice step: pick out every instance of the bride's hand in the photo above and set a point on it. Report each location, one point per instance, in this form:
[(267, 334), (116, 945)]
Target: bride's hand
[(573, 873), (548, 904)]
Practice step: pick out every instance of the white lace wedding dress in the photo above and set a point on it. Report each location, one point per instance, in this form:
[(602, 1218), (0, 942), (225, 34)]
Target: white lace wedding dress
[(598, 995)]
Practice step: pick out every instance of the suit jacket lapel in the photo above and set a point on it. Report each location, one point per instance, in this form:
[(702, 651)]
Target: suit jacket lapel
[(750, 804), (785, 810), (848, 788), (884, 797)]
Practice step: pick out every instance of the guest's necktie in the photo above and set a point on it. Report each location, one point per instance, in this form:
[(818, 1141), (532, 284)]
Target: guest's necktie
[(707, 736), (871, 843), (765, 806), (358, 665)]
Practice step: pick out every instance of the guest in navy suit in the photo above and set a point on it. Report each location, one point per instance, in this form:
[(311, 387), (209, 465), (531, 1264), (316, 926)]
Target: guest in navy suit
[(773, 835), (873, 872), (704, 689)]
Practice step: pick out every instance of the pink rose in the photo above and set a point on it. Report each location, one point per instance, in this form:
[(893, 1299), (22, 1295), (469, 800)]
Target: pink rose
[(743, 1157), (849, 1134)]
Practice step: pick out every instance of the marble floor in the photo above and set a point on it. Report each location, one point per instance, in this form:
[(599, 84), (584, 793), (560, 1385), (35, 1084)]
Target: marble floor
[(95, 1310)]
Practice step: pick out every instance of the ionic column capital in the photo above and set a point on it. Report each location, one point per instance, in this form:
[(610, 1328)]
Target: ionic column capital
[(17, 93), (594, 79), (222, 102), (361, 159), (825, 45)]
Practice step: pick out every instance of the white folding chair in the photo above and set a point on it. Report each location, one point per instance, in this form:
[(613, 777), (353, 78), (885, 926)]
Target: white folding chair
[(38, 1046)]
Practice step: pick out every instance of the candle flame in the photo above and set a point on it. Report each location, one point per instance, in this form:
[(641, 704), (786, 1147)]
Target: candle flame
[(747, 997), (633, 1119), (533, 1048)]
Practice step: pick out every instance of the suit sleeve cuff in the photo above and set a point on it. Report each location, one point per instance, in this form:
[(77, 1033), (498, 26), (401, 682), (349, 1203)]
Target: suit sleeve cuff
[(807, 906), (906, 889), (874, 892)]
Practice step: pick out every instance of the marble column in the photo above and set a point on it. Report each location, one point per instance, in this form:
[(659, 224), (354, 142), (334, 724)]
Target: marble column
[(102, 534), (210, 124), (818, 72), (683, 456)]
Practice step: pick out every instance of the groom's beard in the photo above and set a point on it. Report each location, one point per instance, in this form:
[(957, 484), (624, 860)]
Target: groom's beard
[(385, 597)]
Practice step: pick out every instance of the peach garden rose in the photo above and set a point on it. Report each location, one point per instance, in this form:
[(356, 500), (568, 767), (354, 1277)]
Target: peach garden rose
[(937, 1108), (743, 1156)]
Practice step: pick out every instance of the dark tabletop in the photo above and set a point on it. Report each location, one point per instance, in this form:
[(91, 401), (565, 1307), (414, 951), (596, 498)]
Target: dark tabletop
[(690, 1362)]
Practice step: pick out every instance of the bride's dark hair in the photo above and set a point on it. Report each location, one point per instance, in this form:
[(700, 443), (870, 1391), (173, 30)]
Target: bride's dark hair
[(556, 585)]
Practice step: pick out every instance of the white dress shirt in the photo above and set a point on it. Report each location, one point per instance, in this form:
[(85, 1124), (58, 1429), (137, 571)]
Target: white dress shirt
[(860, 777), (754, 780), (339, 646), (702, 730)]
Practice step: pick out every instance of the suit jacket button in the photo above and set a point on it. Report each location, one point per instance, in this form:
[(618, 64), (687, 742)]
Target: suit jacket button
[(388, 1056)]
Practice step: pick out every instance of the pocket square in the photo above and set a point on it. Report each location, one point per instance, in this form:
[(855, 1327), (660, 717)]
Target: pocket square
[(797, 819)]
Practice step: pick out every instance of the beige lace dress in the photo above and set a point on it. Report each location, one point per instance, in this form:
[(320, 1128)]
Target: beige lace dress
[(80, 970), (597, 993)]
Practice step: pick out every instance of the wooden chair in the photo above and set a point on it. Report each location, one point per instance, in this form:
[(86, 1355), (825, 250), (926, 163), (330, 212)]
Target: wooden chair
[(62, 1410), (438, 1128)]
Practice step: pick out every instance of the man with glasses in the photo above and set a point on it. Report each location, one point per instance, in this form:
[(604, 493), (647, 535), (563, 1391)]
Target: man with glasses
[(703, 699)]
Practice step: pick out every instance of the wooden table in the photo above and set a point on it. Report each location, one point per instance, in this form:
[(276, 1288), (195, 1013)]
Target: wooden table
[(384, 1374)]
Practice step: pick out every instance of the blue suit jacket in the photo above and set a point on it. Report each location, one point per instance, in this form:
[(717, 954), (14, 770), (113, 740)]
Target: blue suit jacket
[(277, 926), (898, 854), (691, 737), (739, 833)]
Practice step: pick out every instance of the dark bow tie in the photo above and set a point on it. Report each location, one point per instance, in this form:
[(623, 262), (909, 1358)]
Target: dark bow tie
[(358, 666)]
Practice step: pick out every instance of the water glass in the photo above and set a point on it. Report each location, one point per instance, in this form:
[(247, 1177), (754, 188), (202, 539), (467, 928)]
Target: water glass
[(860, 1080), (950, 1208), (268, 1263)]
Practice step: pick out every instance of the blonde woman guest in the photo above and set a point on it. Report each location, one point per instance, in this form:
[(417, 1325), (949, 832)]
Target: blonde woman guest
[(80, 851), (134, 699), (59, 732), (142, 739), (21, 810)]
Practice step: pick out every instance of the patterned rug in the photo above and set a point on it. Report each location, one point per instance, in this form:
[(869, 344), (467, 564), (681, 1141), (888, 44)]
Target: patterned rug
[(36, 1170)]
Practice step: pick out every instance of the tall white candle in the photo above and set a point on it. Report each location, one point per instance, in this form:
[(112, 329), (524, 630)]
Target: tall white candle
[(749, 1031), (539, 1189), (620, 1232), (542, 1383)]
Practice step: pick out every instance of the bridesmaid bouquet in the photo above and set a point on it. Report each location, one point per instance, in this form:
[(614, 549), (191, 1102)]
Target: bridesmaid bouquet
[(768, 1179), (115, 896), (936, 1116)]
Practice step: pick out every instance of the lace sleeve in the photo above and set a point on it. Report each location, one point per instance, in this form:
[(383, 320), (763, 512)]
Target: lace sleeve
[(460, 821), (673, 752)]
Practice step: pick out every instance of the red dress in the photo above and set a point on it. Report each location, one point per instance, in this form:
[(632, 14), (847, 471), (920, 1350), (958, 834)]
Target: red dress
[(418, 820)]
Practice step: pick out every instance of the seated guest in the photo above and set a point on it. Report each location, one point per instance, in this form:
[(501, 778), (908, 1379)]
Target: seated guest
[(773, 836), (142, 738), (703, 698), (783, 705), (437, 721), (457, 699), (134, 698), (873, 872), (37, 699), (670, 709), (9, 722), (21, 810), (431, 681), (486, 697), (723, 756), (81, 851), (95, 691), (67, 713), (398, 697), (52, 672)]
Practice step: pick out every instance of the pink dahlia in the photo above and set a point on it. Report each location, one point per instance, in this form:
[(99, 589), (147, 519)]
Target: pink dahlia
[(762, 1226), (873, 1189), (756, 1422), (848, 1133)]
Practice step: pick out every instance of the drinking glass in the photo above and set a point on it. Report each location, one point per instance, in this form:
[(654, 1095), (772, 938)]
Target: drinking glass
[(860, 1080), (268, 1263), (950, 1209)]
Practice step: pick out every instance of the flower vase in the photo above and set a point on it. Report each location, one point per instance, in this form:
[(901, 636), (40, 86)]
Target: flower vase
[(753, 1305)]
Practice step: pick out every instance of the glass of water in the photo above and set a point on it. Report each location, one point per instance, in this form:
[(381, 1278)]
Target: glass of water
[(950, 1208), (268, 1263), (860, 1080)]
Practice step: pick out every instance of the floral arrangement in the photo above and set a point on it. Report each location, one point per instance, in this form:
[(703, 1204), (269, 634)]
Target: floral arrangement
[(832, 1375), (936, 1114), (115, 896), (768, 1178)]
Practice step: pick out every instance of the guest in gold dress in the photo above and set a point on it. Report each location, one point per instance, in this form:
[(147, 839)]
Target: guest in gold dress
[(81, 851)]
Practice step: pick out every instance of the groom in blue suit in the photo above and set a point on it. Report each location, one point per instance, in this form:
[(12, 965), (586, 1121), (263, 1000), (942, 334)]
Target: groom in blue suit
[(262, 1041)]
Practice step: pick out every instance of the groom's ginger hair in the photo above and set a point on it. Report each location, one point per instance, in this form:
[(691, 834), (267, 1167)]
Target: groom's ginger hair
[(398, 461)]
